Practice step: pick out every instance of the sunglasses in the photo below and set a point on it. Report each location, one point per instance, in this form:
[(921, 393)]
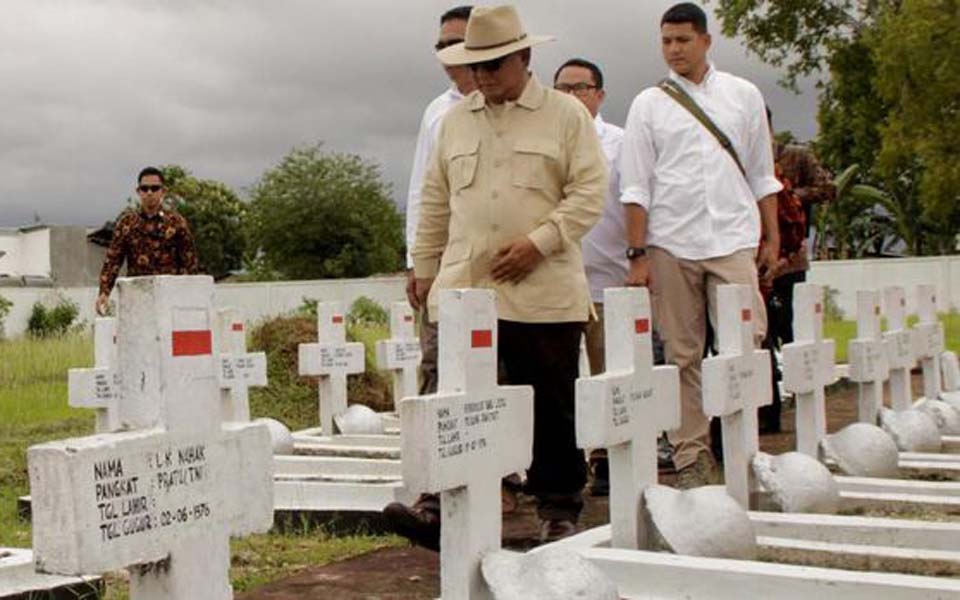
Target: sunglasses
[(446, 44), (149, 188), (490, 66)]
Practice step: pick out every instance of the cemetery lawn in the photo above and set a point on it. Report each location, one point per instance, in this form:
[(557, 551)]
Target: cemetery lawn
[(844, 331), (33, 409)]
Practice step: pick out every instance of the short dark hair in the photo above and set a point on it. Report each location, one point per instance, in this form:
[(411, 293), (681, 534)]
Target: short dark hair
[(686, 12), (461, 13), (586, 64), (146, 171)]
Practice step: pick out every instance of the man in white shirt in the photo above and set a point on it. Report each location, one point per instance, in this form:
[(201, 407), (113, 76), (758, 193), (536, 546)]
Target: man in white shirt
[(604, 247), (453, 28), (694, 218)]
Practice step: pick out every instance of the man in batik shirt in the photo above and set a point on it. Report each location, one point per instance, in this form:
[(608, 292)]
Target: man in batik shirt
[(152, 240)]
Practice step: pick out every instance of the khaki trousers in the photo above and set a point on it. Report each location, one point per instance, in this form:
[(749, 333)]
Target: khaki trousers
[(684, 295)]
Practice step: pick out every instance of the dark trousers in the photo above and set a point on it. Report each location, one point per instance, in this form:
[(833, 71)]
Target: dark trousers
[(545, 356)]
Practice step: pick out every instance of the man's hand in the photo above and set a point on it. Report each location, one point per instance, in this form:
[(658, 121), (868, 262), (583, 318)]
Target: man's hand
[(639, 273), (102, 305), (423, 290), (412, 290), (515, 260), (768, 259)]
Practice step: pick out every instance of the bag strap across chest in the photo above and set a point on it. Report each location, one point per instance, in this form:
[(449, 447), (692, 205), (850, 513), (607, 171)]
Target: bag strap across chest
[(672, 89)]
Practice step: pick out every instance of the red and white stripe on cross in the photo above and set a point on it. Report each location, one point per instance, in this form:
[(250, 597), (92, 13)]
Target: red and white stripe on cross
[(191, 333)]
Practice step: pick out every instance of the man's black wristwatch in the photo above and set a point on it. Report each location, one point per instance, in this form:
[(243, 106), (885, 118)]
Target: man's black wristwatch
[(636, 252)]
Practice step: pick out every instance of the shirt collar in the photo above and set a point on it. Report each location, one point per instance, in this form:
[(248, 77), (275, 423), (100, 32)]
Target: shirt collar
[(708, 77), (599, 123), (454, 93), (160, 214), (532, 97)]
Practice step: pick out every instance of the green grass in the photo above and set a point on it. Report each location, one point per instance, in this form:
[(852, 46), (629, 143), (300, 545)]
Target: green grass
[(34, 409), (844, 331)]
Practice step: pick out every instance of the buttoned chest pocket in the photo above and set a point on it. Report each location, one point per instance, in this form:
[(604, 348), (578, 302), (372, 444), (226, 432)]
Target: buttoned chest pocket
[(462, 164), (533, 161)]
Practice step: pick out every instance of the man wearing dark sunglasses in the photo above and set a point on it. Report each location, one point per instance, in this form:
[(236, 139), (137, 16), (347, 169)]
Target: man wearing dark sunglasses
[(516, 179), (453, 27), (152, 240)]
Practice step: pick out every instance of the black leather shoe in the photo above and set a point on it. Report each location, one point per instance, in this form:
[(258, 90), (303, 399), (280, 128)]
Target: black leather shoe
[(420, 526)]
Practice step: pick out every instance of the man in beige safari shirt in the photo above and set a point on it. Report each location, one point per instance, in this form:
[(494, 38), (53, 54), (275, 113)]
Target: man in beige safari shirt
[(516, 179)]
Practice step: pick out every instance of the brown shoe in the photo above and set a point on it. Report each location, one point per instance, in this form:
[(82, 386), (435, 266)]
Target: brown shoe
[(552, 530), (702, 472), (508, 500), (420, 526)]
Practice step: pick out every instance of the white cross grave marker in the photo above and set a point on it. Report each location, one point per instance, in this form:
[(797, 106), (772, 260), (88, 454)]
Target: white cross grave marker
[(166, 495), (808, 366), (401, 353), (332, 359), (239, 370), (928, 340), (99, 388), (899, 344), (462, 440), (950, 371), (626, 408), (735, 384), (868, 357)]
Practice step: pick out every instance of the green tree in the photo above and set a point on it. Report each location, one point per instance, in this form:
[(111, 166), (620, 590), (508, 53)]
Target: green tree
[(917, 51), (890, 104), (216, 216), (325, 215), (798, 35)]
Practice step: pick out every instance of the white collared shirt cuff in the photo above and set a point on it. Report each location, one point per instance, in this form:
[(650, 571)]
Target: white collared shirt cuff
[(635, 196)]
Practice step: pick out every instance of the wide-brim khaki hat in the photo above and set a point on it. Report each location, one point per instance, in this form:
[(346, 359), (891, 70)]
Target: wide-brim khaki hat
[(492, 32)]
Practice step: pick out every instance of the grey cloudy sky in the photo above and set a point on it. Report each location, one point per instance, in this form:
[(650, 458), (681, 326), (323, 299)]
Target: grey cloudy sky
[(91, 90)]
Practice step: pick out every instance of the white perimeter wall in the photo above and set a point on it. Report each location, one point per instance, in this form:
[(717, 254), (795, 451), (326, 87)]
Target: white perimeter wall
[(256, 300), (259, 300), (27, 253)]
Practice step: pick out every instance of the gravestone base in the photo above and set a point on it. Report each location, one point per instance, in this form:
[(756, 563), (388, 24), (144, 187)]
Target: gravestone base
[(18, 581)]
